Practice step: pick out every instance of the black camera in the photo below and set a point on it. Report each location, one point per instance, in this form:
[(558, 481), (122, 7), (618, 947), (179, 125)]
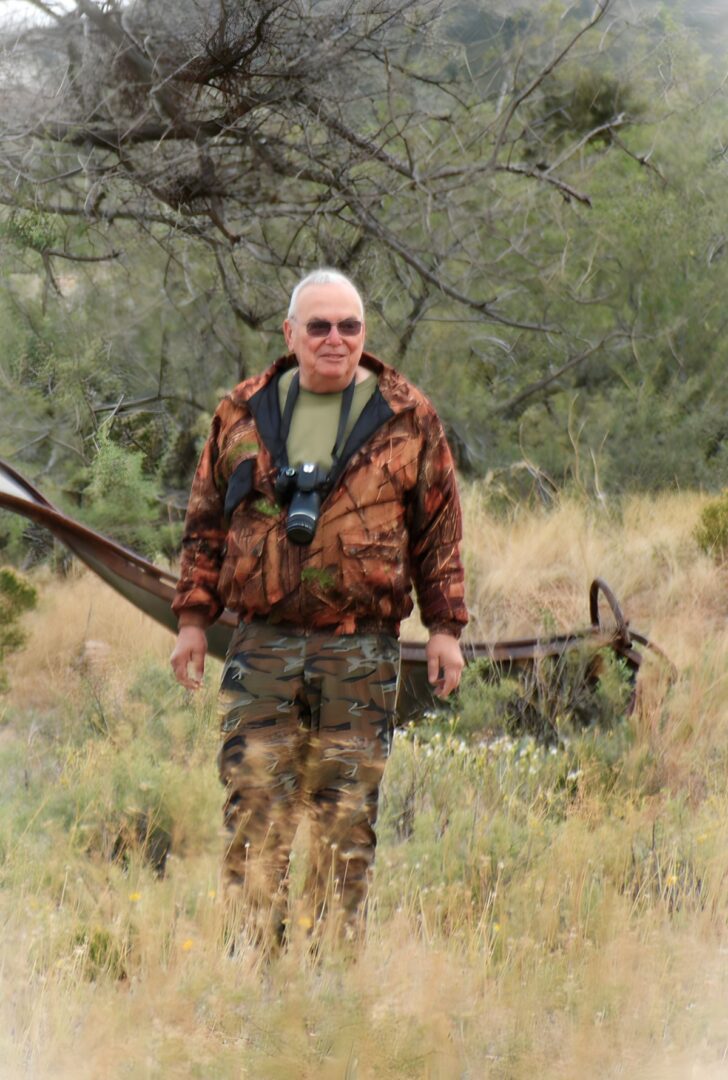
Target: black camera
[(301, 488)]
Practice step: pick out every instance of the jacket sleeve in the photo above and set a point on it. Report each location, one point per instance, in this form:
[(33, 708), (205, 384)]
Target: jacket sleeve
[(435, 535), (203, 540)]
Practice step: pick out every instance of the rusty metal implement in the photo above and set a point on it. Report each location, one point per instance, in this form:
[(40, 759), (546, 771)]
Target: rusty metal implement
[(151, 589)]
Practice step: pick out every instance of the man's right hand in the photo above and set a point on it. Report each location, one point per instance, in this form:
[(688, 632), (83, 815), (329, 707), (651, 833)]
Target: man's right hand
[(189, 653)]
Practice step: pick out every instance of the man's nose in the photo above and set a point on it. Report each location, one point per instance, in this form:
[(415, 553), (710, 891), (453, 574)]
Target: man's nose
[(333, 336)]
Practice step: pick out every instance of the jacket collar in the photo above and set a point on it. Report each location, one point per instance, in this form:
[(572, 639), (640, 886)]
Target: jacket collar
[(393, 387), (259, 396)]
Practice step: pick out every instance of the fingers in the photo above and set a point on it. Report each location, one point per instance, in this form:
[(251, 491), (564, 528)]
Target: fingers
[(193, 675), (188, 665), (444, 664), (449, 680), (191, 681)]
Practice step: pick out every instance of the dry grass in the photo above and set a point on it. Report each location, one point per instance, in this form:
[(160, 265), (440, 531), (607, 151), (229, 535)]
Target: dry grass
[(83, 629), (545, 914), (533, 564)]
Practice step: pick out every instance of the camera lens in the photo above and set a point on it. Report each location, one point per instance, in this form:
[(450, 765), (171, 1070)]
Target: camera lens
[(303, 515)]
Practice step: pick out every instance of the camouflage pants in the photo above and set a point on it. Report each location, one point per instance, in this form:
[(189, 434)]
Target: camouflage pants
[(306, 723)]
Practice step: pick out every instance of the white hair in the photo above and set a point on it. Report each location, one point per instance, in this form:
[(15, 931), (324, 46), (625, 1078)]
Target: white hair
[(322, 276)]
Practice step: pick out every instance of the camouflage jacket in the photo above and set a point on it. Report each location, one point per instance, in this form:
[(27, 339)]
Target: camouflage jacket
[(391, 519)]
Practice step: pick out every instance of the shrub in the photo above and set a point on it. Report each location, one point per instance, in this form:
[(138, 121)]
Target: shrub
[(556, 696), (712, 529), (122, 501), (16, 597)]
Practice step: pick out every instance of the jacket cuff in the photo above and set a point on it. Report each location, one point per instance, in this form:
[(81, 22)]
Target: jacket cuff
[(453, 629), (193, 617), (199, 601)]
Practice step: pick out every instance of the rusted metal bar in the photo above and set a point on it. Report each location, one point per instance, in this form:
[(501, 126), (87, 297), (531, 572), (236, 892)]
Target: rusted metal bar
[(151, 589)]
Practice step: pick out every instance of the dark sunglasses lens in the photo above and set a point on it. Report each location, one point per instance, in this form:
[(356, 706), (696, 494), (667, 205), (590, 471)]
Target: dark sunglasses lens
[(322, 327), (318, 328)]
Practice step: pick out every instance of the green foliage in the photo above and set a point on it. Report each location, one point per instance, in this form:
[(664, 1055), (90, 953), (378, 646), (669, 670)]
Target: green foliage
[(712, 529), (587, 100), (12, 542), (101, 951), (121, 500), (116, 473), (31, 229), (129, 774), (550, 701), (17, 596), (480, 829)]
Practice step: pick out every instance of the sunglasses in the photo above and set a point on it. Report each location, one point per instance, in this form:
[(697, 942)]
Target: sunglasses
[(321, 328)]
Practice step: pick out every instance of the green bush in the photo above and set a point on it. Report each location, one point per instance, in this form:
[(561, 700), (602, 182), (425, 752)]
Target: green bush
[(712, 529), (556, 696), (121, 500), (16, 597), (31, 229)]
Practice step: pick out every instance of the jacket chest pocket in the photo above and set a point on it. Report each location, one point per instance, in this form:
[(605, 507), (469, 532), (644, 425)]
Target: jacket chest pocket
[(372, 563), (245, 548)]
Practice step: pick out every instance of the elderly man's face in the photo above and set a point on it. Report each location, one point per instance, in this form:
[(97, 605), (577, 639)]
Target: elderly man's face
[(326, 360)]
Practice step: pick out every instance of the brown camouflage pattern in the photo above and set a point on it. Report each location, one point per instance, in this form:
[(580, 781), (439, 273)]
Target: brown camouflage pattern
[(393, 521), (306, 725)]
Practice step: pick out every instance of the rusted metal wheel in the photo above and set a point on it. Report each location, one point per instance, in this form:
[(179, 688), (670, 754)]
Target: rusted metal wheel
[(598, 586)]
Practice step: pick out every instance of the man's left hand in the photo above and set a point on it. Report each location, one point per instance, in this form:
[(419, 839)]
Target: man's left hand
[(444, 663)]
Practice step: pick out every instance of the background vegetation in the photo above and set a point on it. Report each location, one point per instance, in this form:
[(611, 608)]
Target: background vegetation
[(531, 197)]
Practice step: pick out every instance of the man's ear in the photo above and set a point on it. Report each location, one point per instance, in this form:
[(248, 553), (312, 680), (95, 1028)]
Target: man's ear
[(288, 334)]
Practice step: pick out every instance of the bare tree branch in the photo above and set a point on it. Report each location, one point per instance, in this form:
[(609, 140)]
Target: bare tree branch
[(484, 306), (46, 9), (454, 171), (53, 253), (602, 6), (641, 159), (140, 403), (504, 407)]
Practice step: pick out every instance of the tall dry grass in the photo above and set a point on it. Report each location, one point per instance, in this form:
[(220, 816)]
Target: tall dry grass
[(550, 912)]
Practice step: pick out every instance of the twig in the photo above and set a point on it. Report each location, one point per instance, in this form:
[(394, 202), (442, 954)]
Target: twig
[(82, 258), (541, 384), (601, 10)]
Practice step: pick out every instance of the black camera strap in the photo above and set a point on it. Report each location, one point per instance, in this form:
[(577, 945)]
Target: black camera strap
[(346, 401), (292, 397)]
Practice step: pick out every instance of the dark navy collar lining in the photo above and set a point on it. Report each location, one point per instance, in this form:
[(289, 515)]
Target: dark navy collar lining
[(266, 410)]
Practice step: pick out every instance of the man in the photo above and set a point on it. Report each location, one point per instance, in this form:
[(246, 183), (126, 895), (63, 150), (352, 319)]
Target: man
[(325, 490)]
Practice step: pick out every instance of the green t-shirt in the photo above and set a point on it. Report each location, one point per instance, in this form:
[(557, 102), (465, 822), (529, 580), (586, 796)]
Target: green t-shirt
[(315, 419)]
